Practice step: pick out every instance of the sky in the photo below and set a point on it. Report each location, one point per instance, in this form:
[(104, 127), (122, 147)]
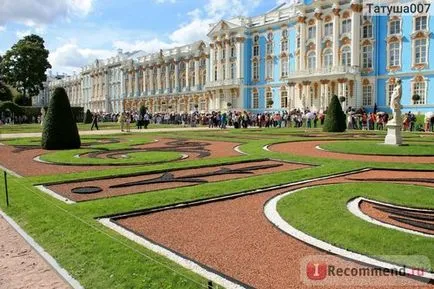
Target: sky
[(76, 32)]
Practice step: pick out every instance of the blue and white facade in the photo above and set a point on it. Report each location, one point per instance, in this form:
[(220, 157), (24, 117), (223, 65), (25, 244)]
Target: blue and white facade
[(294, 56)]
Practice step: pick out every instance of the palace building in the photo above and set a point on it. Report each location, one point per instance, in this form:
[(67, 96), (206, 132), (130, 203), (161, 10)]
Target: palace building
[(295, 56)]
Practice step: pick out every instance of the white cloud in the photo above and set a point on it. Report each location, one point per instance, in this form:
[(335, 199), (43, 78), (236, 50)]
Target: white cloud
[(2, 28), (149, 46), (70, 57), (164, 1), (34, 13)]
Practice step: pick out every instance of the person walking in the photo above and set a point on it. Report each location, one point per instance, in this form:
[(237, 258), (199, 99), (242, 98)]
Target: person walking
[(128, 121), (94, 122), (121, 121)]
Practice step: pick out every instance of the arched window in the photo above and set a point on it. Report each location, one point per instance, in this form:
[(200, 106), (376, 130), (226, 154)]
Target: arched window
[(284, 67), (255, 70), (419, 88), (311, 60), (269, 70), (268, 98), (328, 58), (270, 45), (367, 31), (420, 51), (367, 93), (367, 56), (256, 45), (420, 23), (283, 98), (394, 54), (255, 98), (346, 56)]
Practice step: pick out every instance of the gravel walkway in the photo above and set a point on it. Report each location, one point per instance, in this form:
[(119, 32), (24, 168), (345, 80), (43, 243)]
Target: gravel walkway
[(235, 238), (21, 267)]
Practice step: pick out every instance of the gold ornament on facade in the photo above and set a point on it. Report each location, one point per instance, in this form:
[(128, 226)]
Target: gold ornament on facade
[(336, 11), (301, 19), (346, 41), (311, 22), (328, 18), (318, 16), (346, 15), (357, 7), (419, 66)]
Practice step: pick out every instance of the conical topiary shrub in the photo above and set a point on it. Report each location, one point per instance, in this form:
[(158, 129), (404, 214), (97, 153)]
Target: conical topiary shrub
[(335, 118), (60, 130), (88, 117)]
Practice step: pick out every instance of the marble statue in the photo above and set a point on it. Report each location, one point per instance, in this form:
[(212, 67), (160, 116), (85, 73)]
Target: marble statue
[(394, 136), (395, 101)]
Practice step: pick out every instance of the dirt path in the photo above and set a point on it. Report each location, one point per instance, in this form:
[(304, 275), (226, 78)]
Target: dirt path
[(21, 266)]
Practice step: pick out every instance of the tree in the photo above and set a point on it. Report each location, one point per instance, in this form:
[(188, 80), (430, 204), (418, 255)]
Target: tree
[(88, 117), (24, 65), (335, 118), (5, 92), (60, 130)]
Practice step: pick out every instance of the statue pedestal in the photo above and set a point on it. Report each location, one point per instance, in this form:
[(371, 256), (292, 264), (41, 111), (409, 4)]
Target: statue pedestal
[(394, 136)]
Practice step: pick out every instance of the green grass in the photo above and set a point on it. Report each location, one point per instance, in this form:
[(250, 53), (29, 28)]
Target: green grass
[(322, 212), (146, 157), (377, 148), (100, 258)]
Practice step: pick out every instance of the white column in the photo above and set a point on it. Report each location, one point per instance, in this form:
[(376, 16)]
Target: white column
[(239, 57), (336, 22), (145, 71), (322, 96), (208, 70), (355, 34), (130, 83), (217, 61), (302, 26), (196, 73), (318, 43), (227, 60), (159, 79), (187, 70), (151, 81), (340, 89), (176, 88), (136, 83), (210, 67), (167, 77)]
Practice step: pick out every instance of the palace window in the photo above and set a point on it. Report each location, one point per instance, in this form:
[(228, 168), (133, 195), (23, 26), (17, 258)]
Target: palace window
[(232, 51), (420, 51), (328, 29), (224, 71), (328, 58), (311, 32), (311, 60), (215, 73), (255, 70), (285, 33), (270, 45), (284, 98), (346, 26), (298, 42), (284, 67), (269, 69), (395, 27), (390, 88), (233, 70), (367, 94), (420, 23), (223, 53), (255, 99), (367, 56), (284, 45), (346, 56), (419, 88), (394, 54), (256, 45), (268, 97), (367, 31)]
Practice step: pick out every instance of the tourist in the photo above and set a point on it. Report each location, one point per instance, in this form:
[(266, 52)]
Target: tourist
[(121, 121), (94, 122)]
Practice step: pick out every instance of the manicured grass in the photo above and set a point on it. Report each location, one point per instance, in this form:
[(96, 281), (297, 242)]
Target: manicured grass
[(27, 128), (377, 148), (100, 258), (322, 212), (145, 157)]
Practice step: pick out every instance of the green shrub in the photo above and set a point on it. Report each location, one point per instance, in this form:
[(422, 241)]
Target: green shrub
[(88, 117), (60, 129), (335, 118), (9, 106)]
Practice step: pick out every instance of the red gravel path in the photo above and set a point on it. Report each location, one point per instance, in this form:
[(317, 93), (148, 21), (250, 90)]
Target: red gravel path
[(21, 161), (235, 238), (308, 148), (65, 189)]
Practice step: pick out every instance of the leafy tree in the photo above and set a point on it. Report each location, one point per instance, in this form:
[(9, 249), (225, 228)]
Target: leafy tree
[(5, 92), (335, 118), (24, 65), (60, 129)]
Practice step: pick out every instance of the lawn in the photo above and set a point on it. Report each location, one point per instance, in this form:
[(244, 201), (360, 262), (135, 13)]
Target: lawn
[(379, 148), (99, 258), (322, 212)]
